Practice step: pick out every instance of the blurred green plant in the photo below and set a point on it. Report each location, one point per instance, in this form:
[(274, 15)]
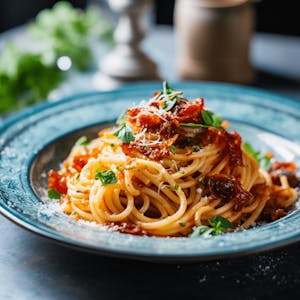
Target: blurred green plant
[(28, 77), (24, 78), (65, 31)]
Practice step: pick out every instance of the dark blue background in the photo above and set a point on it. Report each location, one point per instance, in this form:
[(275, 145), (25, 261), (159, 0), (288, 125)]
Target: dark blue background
[(271, 16)]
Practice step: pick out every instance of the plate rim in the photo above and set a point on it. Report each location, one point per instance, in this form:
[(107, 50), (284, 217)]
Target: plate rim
[(155, 257), (53, 235)]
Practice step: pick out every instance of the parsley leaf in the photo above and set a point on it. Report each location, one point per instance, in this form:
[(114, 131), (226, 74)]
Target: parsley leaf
[(210, 119), (207, 117), (202, 180), (169, 101), (217, 121), (106, 177), (176, 187), (218, 225), (173, 148), (82, 141), (196, 148), (125, 134), (53, 194), (122, 118), (166, 88), (201, 230), (263, 161)]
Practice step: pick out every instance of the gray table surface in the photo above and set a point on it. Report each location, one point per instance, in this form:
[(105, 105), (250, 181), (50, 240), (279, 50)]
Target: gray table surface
[(34, 268)]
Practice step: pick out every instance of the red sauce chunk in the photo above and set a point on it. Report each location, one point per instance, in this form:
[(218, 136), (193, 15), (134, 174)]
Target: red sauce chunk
[(230, 142), (57, 182), (164, 127), (155, 152), (80, 161), (228, 189), (233, 147), (278, 213), (189, 111)]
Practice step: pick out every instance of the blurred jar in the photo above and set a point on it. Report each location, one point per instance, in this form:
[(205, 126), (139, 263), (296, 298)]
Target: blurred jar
[(213, 38)]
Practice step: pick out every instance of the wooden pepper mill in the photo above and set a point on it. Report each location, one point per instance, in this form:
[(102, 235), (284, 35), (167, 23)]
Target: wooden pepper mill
[(213, 38)]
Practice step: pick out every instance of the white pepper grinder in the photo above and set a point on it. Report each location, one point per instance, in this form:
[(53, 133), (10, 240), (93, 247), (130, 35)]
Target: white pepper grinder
[(213, 39)]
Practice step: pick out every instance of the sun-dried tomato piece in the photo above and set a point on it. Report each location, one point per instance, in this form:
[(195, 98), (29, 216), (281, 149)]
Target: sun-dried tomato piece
[(227, 189), (57, 182)]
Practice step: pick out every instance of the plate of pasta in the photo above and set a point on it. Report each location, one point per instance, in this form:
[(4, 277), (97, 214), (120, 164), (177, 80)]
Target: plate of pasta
[(156, 171)]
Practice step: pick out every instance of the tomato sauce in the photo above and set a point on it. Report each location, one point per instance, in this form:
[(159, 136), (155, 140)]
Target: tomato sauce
[(57, 182)]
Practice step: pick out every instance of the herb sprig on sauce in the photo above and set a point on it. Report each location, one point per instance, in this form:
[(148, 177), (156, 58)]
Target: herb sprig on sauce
[(169, 96), (125, 134), (209, 119), (122, 118)]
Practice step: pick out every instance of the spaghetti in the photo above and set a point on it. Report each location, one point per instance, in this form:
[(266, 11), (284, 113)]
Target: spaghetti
[(168, 168)]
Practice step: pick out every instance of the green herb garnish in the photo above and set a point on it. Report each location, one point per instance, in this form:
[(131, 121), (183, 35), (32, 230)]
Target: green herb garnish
[(25, 78), (169, 101), (173, 148), (263, 161), (218, 225), (53, 194), (66, 31), (201, 230), (207, 117), (196, 148), (82, 141), (181, 224), (202, 180), (176, 187), (217, 121), (106, 176), (28, 76), (122, 118), (167, 89), (125, 134), (210, 119), (193, 125), (222, 223)]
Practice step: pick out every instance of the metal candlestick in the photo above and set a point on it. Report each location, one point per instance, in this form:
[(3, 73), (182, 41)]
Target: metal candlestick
[(127, 62)]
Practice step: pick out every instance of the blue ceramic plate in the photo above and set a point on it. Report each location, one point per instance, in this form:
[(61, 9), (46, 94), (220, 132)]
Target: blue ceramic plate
[(39, 138)]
